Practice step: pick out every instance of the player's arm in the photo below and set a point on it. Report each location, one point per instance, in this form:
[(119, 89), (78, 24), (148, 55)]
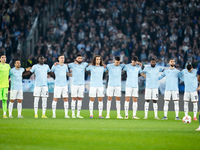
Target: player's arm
[(69, 74), (26, 72), (143, 74), (51, 74)]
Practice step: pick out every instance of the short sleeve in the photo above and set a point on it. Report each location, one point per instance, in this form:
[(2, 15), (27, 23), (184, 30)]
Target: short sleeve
[(53, 68), (48, 69), (85, 64), (10, 72), (160, 69), (32, 69), (144, 70), (22, 69), (67, 70), (125, 68), (140, 70), (70, 65), (88, 68)]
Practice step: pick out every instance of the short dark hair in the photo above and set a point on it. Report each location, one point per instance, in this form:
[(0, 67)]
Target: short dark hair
[(61, 55), (78, 55), (153, 59), (117, 58), (2, 54), (16, 60), (135, 58), (171, 59), (39, 57)]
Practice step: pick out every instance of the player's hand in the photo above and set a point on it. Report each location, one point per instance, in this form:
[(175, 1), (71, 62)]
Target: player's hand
[(28, 69), (69, 74), (140, 64), (198, 88), (55, 63)]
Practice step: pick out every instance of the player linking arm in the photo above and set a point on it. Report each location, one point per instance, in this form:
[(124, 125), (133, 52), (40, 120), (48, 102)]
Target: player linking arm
[(16, 91), (78, 81), (61, 89), (132, 70), (96, 84)]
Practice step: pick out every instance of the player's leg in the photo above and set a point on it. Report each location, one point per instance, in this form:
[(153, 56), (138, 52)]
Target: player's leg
[(198, 129), (4, 101), (19, 108), (155, 104), (44, 95), (57, 94), (100, 95), (148, 95), (110, 91), (127, 100), (81, 89), (19, 103), (92, 95), (117, 94), (175, 96), (167, 97), (36, 94), (74, 94), (186, 98), (13, 94), (194, 99), (135, 104), (65, 99)]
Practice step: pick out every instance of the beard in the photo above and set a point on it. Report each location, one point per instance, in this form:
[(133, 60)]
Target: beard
[(79, 62), (153, 65), (172, 65)]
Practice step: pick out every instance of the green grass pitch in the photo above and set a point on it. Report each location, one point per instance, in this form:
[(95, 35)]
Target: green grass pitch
[(97, 134)]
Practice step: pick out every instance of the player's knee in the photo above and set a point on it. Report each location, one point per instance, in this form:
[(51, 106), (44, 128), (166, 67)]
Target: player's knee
[(147, 101), (12, 101), (79, 99), (19, 100), (154, 101), (128, 99), (56, 99), (109, 98), (117, 98), (74, 98), (92, 99), (100, 99), (65, 99), (134, 99)]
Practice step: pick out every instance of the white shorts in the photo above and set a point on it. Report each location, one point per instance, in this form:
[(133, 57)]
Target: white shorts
[(173, 94), (16, 94), (61, 91), (151, 94), (191, 95), (41, 91), (114, 91), (96, 91), (77, 91), (131, 92)]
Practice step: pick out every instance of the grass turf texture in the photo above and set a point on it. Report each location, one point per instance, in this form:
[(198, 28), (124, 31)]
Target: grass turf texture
[(61, 133)]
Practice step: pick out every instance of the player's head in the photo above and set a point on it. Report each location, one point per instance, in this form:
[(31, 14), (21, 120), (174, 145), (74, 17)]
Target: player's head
[(117, 61), (97, 60), (17, 63), (134, 60), (172, 62), (61, 58), (3, 57), (40, 59), (189, 67), (153, 62), (79, 58)]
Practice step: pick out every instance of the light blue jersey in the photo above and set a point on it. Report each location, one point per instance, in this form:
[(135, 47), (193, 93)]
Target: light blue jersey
[(41, 74), (60, 72), (152, 74), (172, 76), (114, 73), (96, 79), (16, 78), (132, 75), (190, 80), (78, 73)]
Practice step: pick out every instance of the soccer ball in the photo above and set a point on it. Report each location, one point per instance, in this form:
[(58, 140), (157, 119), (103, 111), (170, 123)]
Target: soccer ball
[(187, 119)]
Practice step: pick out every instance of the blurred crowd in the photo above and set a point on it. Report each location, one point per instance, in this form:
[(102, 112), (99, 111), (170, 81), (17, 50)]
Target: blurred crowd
[(161, 29)]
